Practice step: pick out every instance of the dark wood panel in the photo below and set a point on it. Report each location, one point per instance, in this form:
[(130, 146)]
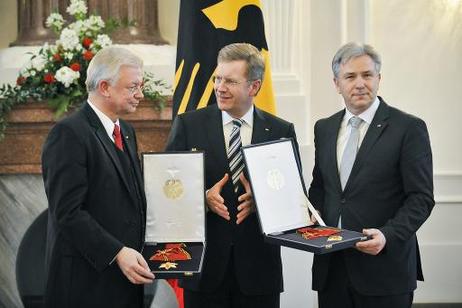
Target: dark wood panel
[(30, 123)]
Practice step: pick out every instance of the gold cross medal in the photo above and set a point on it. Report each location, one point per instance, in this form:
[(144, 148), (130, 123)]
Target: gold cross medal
[(173, 188), (335, 238), (168, 265)]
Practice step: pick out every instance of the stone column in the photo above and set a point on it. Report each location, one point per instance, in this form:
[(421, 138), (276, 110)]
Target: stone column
[(139, 16), (31, 22), (139, 19)]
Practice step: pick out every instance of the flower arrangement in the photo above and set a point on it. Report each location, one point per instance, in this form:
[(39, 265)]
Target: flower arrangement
[(57, 73)]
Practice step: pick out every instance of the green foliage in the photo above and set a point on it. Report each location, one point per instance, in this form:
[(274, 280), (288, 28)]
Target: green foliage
[(57, 73), (152, 90)]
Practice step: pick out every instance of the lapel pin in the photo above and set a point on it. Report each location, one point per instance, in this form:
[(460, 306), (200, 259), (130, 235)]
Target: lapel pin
[(379, 125)]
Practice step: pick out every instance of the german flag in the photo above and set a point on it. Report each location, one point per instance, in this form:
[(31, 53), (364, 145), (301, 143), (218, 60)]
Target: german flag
[(205, 27)]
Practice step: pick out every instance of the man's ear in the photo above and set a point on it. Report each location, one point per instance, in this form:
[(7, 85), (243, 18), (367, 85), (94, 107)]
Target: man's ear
[(255, 87), (103, 88), (336, 83)]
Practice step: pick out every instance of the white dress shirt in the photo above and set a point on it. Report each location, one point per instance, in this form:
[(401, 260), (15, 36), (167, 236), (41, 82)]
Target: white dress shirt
[(107, 122), (246, 128), (345, 128)]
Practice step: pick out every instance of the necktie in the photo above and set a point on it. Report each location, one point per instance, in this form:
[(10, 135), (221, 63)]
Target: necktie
[(236, 164), (118, 137), (351, 149)]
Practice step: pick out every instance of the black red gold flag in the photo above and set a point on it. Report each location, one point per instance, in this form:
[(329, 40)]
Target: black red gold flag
[(206, 26)]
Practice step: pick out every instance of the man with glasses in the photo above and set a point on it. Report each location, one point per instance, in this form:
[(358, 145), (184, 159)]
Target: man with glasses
[(95, 193), (239, 270)]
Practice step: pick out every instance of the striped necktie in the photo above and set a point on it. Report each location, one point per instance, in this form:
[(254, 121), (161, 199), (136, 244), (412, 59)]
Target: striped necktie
[(236, 164)]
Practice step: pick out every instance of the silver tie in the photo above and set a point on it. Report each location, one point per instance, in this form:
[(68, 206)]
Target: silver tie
[(351, 149), (236, 164)]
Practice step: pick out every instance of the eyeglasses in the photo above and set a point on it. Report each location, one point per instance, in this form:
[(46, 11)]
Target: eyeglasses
[(227, 81), (135, 88)]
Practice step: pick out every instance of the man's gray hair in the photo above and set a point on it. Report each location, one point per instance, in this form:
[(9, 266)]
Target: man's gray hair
[(248, 53), (354, 50), (106, 65)]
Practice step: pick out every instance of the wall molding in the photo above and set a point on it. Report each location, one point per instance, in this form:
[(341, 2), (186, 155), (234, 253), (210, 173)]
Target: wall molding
[(448, 185)]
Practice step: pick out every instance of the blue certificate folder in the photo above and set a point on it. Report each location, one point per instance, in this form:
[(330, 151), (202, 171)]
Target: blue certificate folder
[(280, 197)]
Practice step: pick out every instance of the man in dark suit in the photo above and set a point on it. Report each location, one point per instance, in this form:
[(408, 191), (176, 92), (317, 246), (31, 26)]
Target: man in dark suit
[(240, 270), (372, 174), (95, 193)]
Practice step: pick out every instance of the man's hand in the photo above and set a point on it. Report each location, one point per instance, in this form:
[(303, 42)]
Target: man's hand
[(313, 220), (134, 267), (374, 245), (215, 201), (246, 206)]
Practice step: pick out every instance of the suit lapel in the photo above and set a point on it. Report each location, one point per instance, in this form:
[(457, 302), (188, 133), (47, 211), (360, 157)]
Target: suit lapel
[(262, 130), (215, 137), (129, 141), (375, 130), (331, 146), (105, 141)]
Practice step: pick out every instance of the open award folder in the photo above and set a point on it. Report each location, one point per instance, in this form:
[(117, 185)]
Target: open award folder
[(282, 206), (175, 215)]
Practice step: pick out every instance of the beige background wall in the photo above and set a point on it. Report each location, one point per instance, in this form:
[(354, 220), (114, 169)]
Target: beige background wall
[(8, 22)]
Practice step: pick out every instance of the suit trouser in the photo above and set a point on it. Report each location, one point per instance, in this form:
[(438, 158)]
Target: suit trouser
[(229, 295), (338, 291)]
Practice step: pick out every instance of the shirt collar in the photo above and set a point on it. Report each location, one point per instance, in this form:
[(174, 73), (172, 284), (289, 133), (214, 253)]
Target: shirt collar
[(105, 120), (247, 117), (367, 115)]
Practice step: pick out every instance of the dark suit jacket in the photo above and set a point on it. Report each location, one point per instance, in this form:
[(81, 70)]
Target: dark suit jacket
[(390, 188), (93, 212), (257, 264)]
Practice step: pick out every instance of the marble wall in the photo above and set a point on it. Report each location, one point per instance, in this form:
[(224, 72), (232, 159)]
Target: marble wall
[(22, 199)]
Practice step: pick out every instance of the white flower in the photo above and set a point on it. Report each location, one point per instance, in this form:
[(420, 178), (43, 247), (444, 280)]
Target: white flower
[(53, 49), (102, 40), (25, 72), (95, 22), (38, 62), (66, 76), (87, 25), (68, 55), (78, 27), (69, 40), (77, 7), (55, 20), (45, 47)]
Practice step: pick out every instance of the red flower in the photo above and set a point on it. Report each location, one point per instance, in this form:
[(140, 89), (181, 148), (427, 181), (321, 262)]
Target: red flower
[(49, 78), (86, 42), (21, 80), (75, 67), (57, 57), (88, 55)]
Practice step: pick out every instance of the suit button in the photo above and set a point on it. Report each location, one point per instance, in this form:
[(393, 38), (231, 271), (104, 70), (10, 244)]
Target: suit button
[(343, 201)]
